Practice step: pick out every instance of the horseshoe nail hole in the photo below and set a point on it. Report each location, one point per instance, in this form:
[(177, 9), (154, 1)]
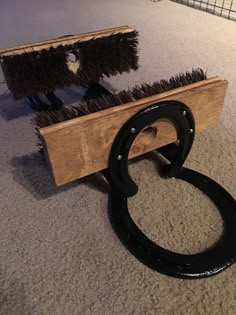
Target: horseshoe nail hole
[(147, 135)]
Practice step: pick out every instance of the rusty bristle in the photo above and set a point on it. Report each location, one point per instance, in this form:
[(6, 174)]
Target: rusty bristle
[(44, 119)]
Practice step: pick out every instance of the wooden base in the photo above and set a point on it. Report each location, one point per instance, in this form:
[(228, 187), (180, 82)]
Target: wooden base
[(81, 146)]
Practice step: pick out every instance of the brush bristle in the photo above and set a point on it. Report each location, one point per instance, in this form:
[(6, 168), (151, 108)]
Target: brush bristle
[(46, 70), (44, 119)]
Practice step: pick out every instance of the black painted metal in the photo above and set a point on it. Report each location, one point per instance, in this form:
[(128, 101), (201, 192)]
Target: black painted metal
[(201, 265), (95, 90), (36, 103), (55, 101), (120, 178)]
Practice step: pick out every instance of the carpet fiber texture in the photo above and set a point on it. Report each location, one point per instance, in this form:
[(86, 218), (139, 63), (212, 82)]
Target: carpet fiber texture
[(59, 254)]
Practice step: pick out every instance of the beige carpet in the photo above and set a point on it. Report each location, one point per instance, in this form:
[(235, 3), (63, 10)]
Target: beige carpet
[(59, 254)]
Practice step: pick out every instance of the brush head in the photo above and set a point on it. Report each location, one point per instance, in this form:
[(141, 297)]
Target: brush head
[(45, 70), (47, 118)]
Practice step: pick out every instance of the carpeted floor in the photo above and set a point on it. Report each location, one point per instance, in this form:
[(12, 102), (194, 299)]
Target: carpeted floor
[(59, 254)]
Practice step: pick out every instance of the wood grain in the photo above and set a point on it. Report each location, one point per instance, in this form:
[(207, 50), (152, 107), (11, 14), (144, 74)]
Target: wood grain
[(66, 40), (81, 146)]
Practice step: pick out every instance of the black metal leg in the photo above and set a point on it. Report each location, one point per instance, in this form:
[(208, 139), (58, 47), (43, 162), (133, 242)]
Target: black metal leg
[(95, 90), (54, 102), (36, 104)]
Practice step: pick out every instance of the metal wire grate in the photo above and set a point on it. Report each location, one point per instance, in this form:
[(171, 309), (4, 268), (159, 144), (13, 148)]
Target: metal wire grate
[(224, 8)]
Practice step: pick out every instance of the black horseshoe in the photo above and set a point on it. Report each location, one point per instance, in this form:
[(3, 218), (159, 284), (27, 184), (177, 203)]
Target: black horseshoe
[(200, 265)]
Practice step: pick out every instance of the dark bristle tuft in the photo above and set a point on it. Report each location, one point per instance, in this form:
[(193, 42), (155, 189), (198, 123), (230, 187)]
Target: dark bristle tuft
[(179, 80), (46, 70), (44, 119)]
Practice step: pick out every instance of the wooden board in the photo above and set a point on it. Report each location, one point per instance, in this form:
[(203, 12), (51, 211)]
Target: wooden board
[(81, 146), (66, 40)]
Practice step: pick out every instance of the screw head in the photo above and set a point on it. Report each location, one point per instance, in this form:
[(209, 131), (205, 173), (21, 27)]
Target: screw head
[(119, 157), (133, 130), (184, 113), (191, 130)]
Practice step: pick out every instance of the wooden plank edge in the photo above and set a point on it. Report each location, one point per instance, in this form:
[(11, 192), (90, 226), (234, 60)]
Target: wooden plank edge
[(65, 40)]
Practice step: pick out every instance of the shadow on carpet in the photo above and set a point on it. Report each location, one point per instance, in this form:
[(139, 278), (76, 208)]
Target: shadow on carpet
[(10, 109), (33, 174)]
